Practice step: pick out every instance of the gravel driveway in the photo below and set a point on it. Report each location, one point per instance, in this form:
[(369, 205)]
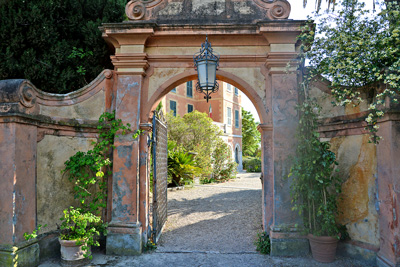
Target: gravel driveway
[(214, 218), (211, 226)]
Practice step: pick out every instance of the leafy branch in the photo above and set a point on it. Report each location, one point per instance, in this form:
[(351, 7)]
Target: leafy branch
[(359, 53)]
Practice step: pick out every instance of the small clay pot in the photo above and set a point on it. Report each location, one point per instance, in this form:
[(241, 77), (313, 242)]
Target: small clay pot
[(72, 254), (323, 248)]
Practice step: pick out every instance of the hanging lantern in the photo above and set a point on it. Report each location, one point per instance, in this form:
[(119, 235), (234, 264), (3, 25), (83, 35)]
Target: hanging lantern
[(206, 64)]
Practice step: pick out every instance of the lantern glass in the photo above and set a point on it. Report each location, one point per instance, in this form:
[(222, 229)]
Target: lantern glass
[(206, 71)]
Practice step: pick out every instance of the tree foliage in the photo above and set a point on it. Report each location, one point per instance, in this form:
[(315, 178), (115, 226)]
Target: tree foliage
[(39, 41), (194, 132), (358, 51), (251, 137)]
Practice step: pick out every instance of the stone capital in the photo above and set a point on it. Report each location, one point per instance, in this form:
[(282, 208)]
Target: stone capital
[(277, 62), (132, 64), (265, 128)]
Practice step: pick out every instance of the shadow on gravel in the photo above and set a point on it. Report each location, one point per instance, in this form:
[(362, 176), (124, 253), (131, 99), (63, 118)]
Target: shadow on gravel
[(222, 222)]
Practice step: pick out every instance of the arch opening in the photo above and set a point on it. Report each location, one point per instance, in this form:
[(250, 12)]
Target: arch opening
[(222, 76)]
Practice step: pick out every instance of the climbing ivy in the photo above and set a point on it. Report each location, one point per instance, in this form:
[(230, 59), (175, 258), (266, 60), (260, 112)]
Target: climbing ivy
[(88, 170), (315, 187)]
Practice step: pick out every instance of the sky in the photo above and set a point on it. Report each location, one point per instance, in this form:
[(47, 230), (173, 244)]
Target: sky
[(297, 13)]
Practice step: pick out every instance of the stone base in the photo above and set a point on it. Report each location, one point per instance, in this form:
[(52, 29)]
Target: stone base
[(26, 255), (290, 247), (383, 262), (124, 240), (77, 263), (49, 246), (358, 251)]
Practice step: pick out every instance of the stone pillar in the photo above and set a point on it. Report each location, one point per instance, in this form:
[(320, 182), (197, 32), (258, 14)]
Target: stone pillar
[(267, 165), (285, 239), (130, 61), (125, 232), (18, 141), (388, 155)]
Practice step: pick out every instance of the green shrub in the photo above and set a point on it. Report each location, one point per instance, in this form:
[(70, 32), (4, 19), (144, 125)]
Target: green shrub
[(263, 243), (181, 169), (196, 133), (224, 168), (252, 164)]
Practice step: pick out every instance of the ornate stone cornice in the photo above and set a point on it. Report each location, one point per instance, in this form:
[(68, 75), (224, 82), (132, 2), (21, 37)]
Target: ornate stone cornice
[(196, 10)]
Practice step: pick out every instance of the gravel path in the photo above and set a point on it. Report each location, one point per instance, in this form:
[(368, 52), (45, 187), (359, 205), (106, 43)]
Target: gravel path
[(214, 218)]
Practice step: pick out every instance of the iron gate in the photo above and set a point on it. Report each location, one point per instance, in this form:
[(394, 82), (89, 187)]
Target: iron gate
[(160, 173)]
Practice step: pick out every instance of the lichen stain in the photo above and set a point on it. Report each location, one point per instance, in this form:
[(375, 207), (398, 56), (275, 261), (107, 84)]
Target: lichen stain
[(120, 191), (350, 109), (336, 143), (125, 152), (353, 204)]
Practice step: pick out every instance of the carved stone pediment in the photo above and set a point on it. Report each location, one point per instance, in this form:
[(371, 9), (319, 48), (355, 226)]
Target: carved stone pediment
[(207, 11)]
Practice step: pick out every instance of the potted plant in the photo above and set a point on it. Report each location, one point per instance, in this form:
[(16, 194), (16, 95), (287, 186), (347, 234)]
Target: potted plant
[(78, 232), (315, 187)]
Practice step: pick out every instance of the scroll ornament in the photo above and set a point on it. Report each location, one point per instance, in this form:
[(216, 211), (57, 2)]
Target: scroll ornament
[(276, 9), (136, 9)]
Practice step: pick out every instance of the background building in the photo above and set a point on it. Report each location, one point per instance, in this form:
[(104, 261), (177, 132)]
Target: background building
[(224, 108)]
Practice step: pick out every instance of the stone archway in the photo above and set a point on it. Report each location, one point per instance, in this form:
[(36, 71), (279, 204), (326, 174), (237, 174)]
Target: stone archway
[(154, 54)]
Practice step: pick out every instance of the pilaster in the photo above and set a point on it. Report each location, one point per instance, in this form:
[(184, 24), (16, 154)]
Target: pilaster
[(125, 230), (267, 165), (388, 154), (18, 174), (285, 239)]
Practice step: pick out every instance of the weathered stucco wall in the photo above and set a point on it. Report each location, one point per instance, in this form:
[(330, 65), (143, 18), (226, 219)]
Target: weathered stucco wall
[(54, 191), (89, 109), (160, 76), (324, 99), (358, 166)]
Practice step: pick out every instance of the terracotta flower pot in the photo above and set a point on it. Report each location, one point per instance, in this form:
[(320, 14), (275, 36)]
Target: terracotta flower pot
[(72, 254), (323, 248)]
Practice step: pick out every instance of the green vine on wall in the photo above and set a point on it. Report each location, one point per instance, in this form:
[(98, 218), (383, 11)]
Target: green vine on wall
[(88, 170), (315, 187)]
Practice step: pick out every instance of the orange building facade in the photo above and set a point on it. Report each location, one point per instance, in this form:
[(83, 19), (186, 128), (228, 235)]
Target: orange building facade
[(224, 108)]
